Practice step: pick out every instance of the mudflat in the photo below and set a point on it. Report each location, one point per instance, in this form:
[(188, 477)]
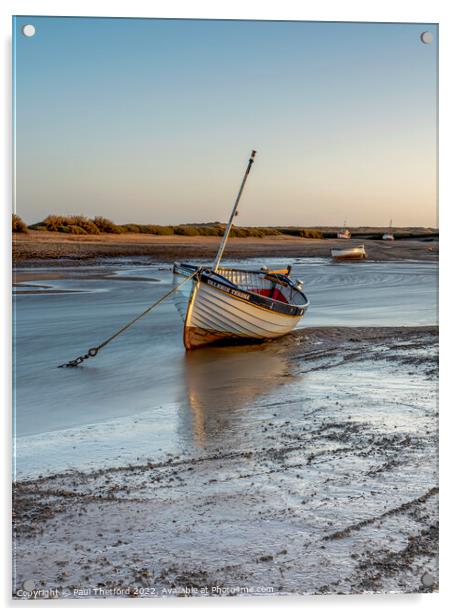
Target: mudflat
[(338, 492), (46, 247)]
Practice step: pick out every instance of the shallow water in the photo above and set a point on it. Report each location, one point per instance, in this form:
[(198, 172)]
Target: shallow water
[(144, 397)]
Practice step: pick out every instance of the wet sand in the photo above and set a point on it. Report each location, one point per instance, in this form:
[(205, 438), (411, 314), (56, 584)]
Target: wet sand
[(45, 247), (24, 276), (337, 493)]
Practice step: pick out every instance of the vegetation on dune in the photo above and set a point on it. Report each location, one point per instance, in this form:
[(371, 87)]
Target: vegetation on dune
[(19, 225), (81, 225), (77, 225), (298, 232), (149, 229), (253, 231), (104, 225), (205, 230)]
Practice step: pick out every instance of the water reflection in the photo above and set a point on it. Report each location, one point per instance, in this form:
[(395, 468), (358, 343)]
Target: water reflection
[(221, 382)]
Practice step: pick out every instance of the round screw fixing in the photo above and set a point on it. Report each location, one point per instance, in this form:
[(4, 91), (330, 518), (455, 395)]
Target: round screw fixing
[(426, 37), (28, 30), (427, 579)]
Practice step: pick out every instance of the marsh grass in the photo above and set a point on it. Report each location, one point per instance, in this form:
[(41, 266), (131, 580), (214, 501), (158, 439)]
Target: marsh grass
[(19, 225), (81, 225), (77, 225)]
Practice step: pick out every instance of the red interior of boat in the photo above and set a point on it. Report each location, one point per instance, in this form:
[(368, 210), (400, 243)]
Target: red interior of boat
[(274, 293)]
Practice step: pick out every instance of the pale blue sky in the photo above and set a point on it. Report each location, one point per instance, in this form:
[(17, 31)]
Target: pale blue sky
[(153, 121)]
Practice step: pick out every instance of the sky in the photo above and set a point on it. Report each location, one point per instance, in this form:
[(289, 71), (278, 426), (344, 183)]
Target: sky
[(153, 121)]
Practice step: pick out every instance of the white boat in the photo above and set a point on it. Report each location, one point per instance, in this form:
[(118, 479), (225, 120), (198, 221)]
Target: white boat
[(236, 304), (388, 236), (344, 233), (357, 252), (221, 303), (228, 304)]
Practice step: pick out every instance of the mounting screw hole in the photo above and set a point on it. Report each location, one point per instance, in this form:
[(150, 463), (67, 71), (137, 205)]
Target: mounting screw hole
[(28, 585), (426, 37), (427, 579), (28, 30)]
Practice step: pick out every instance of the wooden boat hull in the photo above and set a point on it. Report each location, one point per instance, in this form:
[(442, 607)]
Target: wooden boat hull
[(214, 312), (355, 253)]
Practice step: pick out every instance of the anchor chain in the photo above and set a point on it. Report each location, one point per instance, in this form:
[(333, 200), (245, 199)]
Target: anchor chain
[(73, 363), (92, 352)]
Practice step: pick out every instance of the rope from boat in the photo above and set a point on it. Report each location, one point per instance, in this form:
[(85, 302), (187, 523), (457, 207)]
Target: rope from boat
[(92, 352)]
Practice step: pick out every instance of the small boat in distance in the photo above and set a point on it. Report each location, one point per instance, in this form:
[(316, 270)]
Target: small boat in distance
[(355, 253), (388, 236), (231, 304), (344, 233)]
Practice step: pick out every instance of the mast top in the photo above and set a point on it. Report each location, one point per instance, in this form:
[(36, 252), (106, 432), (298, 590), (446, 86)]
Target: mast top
[(234, 213)]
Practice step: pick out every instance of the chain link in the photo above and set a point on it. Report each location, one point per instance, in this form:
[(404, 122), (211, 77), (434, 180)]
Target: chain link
[(79, 360)]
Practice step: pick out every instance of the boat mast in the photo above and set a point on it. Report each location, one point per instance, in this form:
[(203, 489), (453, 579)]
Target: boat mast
[(233, 215)]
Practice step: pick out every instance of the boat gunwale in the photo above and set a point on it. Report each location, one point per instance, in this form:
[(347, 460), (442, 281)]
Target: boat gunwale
[(261, 301)]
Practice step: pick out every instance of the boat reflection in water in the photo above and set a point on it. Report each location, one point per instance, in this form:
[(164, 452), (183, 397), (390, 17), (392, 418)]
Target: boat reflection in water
[(221, 384)]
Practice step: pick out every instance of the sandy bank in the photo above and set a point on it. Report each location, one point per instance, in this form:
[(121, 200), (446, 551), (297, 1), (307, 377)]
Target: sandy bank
[(338, 494), (48, 247)]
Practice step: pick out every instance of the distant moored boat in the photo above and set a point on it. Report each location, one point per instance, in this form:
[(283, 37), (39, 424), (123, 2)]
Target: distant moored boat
[(344, 233), (389, 234), (357, 252)]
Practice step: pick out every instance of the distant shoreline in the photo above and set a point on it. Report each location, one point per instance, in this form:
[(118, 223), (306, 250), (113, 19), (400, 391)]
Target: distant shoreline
[(53, 248)]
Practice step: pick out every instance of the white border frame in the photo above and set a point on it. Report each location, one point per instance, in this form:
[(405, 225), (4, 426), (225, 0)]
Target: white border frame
[(441, 11)]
